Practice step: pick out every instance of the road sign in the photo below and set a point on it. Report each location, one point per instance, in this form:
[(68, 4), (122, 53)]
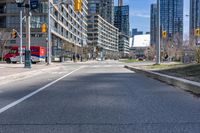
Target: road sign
[(34, 4)]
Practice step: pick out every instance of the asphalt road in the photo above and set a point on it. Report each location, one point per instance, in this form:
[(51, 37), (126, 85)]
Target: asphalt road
[(96, 98)]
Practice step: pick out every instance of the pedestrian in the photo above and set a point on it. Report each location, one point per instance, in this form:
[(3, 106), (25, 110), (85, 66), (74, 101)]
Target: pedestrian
[(81, 58), (74, 57), (78, 56)]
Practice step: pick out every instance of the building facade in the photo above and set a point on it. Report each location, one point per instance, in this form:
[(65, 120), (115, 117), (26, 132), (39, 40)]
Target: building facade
[(136, 32), (121, 19), (120, 2), (68, 28), (104, 8), (171, 17), (102, 37), (153, 24), (124, 45), (194, 16)]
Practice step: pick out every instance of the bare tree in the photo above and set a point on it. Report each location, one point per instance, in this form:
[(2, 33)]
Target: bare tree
[(150, 52), (4, 37), (197, 54)]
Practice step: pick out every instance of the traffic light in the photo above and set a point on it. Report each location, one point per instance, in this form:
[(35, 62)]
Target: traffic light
[(164, 34), (197, 32), (14, 34), (78, 5), (44, 28)]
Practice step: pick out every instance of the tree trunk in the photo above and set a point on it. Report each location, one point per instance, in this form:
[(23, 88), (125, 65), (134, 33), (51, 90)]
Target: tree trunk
[(2, 49)]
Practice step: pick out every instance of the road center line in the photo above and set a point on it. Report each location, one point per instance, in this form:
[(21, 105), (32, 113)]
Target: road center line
[(35, 92)]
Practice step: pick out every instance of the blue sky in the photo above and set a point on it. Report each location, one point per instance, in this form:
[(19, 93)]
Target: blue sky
[(140, 13)]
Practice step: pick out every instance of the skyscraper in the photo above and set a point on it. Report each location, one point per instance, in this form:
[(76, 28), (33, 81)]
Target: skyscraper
[(105, 8), (121, 19), (171, 12), (194, 15), (153, 24)]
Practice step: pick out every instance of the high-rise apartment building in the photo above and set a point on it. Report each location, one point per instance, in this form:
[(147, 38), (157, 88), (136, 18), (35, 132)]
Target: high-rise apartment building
[(194, 16), (153, 24), (103, 37), (68, 28), (121, 19), (171, 17), (102, 34), (104, 8)]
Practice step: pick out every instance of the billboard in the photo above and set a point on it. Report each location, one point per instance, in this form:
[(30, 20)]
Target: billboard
[(141, 40)]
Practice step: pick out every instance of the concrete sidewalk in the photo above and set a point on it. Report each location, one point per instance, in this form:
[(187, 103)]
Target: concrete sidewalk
[(12, 72)]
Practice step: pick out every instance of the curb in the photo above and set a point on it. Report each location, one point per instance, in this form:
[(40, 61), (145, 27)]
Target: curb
[(184, 84), (24, 75)]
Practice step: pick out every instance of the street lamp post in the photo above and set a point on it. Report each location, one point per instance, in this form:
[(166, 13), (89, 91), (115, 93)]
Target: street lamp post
[(20, 3), (49, 34), (158, 43)]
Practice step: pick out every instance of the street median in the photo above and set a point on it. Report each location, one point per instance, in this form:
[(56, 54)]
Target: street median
[(187, 85)]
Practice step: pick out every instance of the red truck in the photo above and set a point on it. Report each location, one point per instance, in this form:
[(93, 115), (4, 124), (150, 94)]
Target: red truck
[(38, 54)]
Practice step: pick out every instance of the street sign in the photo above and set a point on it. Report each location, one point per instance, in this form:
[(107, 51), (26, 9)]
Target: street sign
[(34, 4)]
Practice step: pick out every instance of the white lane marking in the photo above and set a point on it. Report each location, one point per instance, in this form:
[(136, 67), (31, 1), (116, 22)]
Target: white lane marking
[(95, 66), (35, 92)]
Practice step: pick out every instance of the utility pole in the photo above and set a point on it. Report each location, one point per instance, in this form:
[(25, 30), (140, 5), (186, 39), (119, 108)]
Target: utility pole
[(27, 63), (20, 5), (49, 34), (158, 43)]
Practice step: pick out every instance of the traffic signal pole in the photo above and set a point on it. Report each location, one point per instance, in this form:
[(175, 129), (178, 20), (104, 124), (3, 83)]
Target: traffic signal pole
[(20, 47)]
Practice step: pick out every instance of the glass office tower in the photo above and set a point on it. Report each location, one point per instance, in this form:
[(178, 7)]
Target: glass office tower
[(171, 12)]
